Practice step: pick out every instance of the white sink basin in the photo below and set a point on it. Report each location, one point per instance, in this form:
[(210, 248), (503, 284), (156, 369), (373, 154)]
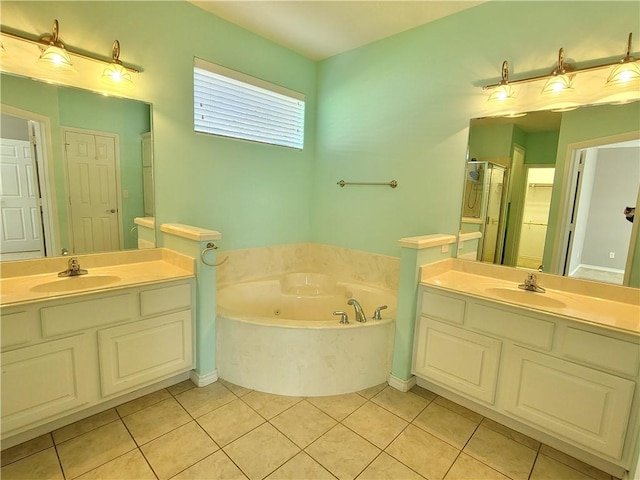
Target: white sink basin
[(524, 297), (81, 282)]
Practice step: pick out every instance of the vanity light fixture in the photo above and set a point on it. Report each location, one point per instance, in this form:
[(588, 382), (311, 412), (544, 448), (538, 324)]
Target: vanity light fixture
[(559, 83), (56, 56), (502, 94), (561, 80), (627, 71), (115, 73)]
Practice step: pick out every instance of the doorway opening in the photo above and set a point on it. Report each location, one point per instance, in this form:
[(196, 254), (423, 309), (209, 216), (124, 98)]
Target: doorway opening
[(535, 216), (598, 239), (26, 207)]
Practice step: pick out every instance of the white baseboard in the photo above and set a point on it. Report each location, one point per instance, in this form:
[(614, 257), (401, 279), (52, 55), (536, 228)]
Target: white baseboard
[(598, 267), (203, 380), (402, 385)]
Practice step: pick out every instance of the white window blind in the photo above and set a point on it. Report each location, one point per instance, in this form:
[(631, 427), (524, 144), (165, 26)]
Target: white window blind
[(232, 104)]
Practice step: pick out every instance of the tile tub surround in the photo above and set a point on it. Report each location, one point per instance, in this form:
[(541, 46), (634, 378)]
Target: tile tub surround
[(608, 306), (223, 431), (346, 264), (135, 267)]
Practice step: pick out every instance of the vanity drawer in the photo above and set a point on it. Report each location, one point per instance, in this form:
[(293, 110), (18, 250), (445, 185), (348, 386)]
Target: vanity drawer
[(15, 329), (520, 328), (612, 354), (166, 299), (81, 316), (443, 307)]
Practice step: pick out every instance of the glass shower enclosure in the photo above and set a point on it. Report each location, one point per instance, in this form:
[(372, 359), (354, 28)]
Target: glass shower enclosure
[(484, 207)]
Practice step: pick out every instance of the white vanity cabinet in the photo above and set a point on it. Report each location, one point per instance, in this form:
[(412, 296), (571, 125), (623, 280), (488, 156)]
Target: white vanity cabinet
[(62, 355), (573, 381)]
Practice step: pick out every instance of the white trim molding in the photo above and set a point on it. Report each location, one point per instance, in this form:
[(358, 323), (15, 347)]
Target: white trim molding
[(402, 385), (203, 380)]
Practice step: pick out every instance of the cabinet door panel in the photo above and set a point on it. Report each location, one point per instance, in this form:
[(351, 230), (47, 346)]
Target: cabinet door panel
[(41, 381), (456, 358), (584, 405), (141, 352)]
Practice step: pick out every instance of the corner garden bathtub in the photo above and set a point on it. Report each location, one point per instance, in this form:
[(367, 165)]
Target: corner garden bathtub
[(279, 335)]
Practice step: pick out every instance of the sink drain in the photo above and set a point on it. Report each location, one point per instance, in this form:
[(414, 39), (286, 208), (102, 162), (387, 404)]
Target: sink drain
[(276, 312)]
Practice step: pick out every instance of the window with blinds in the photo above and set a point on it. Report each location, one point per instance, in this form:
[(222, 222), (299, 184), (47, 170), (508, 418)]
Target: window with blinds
[(232, 104)]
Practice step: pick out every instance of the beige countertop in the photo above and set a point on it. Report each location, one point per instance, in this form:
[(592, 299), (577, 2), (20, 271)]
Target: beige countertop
[(608, 306), (110, 271)]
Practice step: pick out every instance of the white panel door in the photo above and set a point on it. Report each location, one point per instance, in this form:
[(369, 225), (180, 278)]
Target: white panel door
[(20, 203), (43, 381), (584, 405), (93, 193)]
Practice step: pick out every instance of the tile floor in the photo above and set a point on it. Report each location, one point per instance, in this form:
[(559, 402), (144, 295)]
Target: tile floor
[(223, 431)]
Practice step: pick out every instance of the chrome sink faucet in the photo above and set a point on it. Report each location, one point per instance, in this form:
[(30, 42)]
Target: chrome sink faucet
[(360, 316), (531, 284), (73, 269)]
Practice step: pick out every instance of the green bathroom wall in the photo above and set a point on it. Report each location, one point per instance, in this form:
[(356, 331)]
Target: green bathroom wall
[(399, 109), (69, 107), (541, 148), (254, 194), (490, 141)]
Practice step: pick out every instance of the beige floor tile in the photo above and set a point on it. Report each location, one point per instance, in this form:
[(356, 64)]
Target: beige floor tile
[(130, 466), (25, 449), (201, 400), (302, 466), (269, 405), (446, 425), (183, 386), (424, 453), (342, 452), (547, 468), (229, 422), (338, 406), (406, 405), (424, 393), (371, 392), (512, 434), (142, 402), (236, 389), (85, 425), (215, 467), (501, 453), (375, 424), (468, 468), (574, 463), (303, 423), (261, 451), (42, 466), (90, 450), (178, 450), (385, 467), (459, 409), (156, 420)]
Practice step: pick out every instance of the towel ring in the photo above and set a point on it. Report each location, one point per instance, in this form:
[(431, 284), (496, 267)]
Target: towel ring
[(134, 228), (211, 246)]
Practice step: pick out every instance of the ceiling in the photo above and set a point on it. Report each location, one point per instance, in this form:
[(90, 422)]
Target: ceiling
[(319, 29)]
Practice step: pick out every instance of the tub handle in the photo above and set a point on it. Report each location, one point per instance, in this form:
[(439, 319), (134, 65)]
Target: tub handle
[(344, 318), (211, 246), (376, 313)]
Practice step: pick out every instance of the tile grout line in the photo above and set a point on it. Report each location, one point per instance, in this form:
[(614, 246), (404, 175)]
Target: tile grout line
[(134, 441)]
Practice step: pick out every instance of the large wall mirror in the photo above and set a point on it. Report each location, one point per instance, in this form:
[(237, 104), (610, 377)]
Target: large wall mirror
[(77, 169), (548, 191)]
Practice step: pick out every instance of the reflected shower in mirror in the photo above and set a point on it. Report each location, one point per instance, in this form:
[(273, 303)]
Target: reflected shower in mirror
[(548, 190), (76, 170)]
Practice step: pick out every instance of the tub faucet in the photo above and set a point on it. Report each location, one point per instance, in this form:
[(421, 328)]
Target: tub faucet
[(360, 316), (376, 312), (531, 284), (344, 319), (73, 269)]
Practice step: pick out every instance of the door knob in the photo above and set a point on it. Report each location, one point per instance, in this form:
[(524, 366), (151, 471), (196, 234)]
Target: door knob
[(113, 210)]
